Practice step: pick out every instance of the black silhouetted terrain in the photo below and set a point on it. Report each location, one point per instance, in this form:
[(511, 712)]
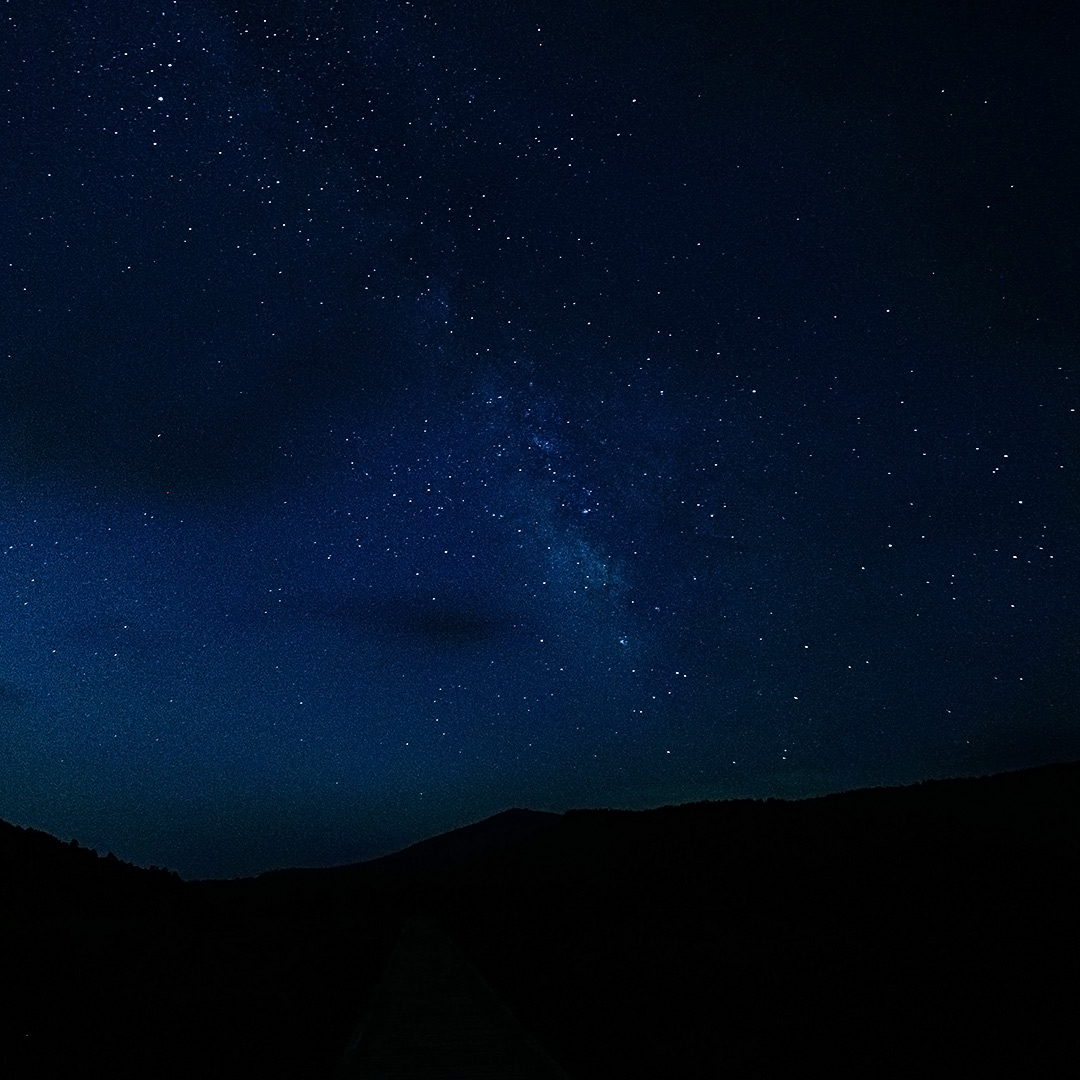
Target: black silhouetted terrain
[(889, 932)]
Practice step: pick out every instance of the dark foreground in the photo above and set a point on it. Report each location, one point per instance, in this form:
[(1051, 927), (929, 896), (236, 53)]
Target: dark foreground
[(896, 931)]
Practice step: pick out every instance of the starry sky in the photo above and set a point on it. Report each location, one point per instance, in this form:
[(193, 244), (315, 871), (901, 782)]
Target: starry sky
[(412, 410)]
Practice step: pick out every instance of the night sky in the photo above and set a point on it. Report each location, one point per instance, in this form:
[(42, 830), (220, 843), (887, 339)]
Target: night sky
[(412, 410)]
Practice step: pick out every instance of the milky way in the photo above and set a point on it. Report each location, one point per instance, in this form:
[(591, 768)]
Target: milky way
[(408, 414)]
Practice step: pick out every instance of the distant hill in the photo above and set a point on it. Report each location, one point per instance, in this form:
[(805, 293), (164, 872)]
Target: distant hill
[(456, 847), (900, 930), (470, 842)]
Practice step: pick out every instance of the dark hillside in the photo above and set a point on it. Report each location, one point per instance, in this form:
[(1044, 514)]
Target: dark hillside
[(886, 930)]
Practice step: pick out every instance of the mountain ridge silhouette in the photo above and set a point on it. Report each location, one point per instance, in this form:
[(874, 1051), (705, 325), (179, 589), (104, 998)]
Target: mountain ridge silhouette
[(883, 929)]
